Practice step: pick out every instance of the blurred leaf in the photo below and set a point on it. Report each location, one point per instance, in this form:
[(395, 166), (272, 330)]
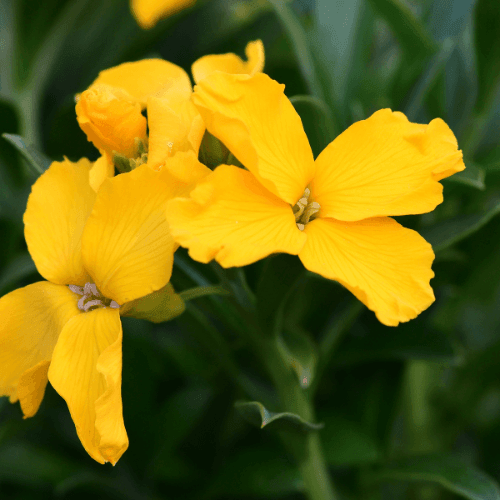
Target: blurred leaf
[(342, 36), (448, 471), (256, 414), (257, 471), (25, 464), (345, 443), (428, 78), (317, 120), (487, 20), (448, 19), (472, 176), (20, 267), (446, 233), (298, 37), (36, 160), (410, 32), (408, 341), (277, 280), (300, 352)]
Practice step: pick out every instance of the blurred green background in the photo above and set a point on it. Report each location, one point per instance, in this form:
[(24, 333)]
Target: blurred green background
[(411, 412)]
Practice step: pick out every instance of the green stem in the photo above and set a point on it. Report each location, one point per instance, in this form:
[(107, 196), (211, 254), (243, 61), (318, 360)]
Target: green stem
[(306, 447), (202, 291)]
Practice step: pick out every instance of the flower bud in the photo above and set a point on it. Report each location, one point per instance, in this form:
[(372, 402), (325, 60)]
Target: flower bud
[(111, 120)]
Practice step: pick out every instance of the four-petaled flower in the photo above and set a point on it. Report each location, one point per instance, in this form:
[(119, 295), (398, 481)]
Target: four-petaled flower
[(333, 211), (101, 252)]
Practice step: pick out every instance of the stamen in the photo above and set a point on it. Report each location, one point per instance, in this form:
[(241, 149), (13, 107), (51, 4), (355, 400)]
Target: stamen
[(81, 303), (114, 305), (92, 303), (304, 210), (76, 289)]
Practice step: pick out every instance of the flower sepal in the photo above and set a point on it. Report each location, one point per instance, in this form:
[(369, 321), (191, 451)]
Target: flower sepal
[(157, 307)]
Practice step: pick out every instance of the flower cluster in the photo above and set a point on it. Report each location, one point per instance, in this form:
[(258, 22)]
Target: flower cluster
[(105, 243)]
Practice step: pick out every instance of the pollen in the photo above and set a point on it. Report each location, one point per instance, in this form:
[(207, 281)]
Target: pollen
[(91, 298), (305, 210)]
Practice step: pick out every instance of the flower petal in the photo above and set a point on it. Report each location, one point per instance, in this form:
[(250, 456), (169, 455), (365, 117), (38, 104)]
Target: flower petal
[(149, 12), (231, 63), (232, 218), (386, 266), (385, 165), (146, 78), (174, 125), (101, 169), (32, 318), (255, 120), (127, 246), (86, 371), (60, 202), (111, 119)]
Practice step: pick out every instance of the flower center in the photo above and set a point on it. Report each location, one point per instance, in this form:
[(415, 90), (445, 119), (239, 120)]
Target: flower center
[(305, 210), (92, 298)]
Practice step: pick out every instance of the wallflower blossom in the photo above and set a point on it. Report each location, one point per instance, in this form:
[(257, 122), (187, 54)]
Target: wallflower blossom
[(104, 254), (110, 110), (333, 211), (149, 12)]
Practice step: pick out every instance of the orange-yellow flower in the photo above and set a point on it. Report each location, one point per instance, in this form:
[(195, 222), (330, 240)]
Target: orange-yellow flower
[(149, 12), (100, 252), (331, 212), (110, 110)]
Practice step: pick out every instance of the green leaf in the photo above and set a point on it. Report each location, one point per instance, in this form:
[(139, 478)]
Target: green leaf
[(256, 414), (261, 472), (487, 18), (410, 32), (449, 20), (36, 160), (428, 78), (446, 233), (278, 279), (20, 267), (408, 341), (345, 443), (317, 119), (292, 25), (472, 176), (448, 471), (300, 352)]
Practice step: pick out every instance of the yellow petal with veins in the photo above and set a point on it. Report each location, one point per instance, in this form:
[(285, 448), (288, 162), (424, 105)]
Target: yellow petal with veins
[(101, 169), (59, 204), (386, 266), (385, 165), (146, 78), (174, 125), (231, 63), (256, 121), (32, 319), (86, 371), (111, 119), (149, 12), (127, 246), (232, 218)]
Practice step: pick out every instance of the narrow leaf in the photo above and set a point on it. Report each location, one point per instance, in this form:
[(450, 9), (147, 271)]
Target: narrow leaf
[(36, 160), (410, 32), (444, 234), (448, 471), (256, 414), (472, 176)]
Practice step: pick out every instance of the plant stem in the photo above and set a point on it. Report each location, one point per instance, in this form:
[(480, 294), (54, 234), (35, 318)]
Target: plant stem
[(305, 447)]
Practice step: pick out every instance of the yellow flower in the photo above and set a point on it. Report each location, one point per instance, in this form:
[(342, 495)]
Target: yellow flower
[(100, 252), (331, 212), (109, 111), (149, 12)]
